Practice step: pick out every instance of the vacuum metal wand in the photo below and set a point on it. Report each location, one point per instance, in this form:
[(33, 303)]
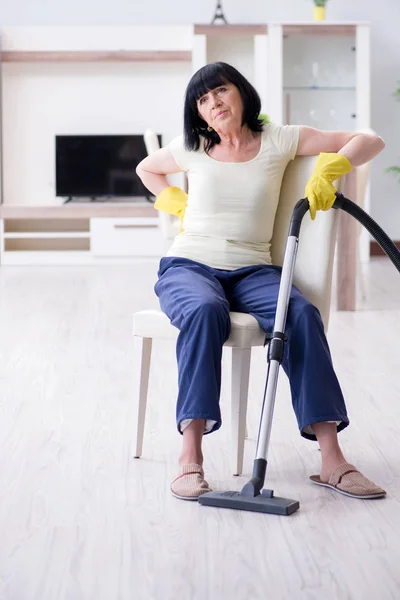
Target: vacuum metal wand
[(276, 346), (275, 352)]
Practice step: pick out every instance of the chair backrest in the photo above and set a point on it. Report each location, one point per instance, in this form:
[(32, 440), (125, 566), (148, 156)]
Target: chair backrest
[(363, 177), (168, 224), (314, 265)]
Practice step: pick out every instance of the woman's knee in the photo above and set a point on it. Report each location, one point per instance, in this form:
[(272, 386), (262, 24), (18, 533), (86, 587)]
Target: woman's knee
[(210, 310), (209, 316)]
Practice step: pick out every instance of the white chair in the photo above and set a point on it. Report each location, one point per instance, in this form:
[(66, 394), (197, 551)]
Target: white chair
[(313, 276), (169, 225)]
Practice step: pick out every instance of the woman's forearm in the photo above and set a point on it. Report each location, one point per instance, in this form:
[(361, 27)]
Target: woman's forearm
[(154, 182), (362, 148)]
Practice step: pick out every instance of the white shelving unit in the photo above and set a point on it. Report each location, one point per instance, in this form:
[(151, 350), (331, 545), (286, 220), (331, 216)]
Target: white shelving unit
[(319, 75)]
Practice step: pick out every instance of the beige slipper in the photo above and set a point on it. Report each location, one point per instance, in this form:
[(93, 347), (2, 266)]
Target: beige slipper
[(348, 480), (190, 483)]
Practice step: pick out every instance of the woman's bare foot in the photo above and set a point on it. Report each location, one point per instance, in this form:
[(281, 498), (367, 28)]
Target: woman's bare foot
[(331, 453), (190, 482), (192, 439), (330, 464), (336, 473)]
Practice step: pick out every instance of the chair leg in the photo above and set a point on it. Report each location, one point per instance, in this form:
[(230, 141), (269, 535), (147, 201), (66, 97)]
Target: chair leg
[(142, 358), (240, 387)]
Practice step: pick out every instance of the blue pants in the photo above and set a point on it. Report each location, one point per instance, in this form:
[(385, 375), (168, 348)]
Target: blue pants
[(197, 299)]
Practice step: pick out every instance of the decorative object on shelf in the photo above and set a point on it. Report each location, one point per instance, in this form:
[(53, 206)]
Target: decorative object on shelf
[(319, 10), (264, 118), (219, 17), (395, 170)]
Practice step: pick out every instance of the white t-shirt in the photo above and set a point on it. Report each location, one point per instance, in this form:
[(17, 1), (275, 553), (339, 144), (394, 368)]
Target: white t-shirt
[(231, 206)]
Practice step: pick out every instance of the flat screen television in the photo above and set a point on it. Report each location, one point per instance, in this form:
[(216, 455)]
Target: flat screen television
[(99, 166)]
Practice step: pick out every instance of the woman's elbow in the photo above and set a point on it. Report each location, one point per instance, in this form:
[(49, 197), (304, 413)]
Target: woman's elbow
[(139, 168), (377, 143), (140, 171), (146, 166), (380, 143), (374, 144)]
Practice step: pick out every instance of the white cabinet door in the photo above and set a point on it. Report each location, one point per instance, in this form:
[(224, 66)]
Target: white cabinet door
[(319, 75)]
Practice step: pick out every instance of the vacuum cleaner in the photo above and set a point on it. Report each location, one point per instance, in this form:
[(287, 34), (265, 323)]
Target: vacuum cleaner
[(253, 497)]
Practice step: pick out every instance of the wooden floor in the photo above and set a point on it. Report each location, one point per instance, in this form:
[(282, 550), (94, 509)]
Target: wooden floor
[(80, 519)]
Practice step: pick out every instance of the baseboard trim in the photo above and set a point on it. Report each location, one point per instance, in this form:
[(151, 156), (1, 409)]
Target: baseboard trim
[(376, 250)]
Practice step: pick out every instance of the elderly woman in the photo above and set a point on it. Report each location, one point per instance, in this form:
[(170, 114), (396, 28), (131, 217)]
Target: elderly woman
[(220, 262)]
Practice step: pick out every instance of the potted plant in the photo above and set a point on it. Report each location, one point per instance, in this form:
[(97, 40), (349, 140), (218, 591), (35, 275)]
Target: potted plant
[(395, 169), (319, 10)]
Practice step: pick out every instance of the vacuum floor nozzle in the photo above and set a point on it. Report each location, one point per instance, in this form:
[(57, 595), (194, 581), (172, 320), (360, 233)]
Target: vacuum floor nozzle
[(263, 503)]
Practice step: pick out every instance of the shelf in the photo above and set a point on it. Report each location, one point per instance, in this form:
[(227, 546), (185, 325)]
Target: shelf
[(97, 56), (45, 257), (46, 244), (319, 29), (312, 88), (77, 211), (228, 30), (68, 258), (46, 235)]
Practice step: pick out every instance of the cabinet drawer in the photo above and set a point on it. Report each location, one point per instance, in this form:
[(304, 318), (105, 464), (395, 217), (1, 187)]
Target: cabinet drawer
[(126, 237)]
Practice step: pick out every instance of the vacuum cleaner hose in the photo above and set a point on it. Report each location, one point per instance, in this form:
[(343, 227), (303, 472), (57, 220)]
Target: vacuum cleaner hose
[(360, 215), (374, 229)]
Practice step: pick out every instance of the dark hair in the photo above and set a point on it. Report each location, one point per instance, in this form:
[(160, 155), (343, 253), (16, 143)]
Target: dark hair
[(208, 78)]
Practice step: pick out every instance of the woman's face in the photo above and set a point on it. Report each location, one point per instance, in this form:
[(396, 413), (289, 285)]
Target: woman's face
[(221, 108)]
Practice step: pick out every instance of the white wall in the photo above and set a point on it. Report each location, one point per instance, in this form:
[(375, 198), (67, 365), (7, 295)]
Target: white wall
[(384, 17)]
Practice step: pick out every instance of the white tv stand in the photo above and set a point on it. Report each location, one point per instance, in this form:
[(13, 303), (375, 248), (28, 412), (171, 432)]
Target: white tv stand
[(79, 234)]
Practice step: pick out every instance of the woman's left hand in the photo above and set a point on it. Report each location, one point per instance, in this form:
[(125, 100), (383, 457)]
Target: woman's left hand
[(320, 190)]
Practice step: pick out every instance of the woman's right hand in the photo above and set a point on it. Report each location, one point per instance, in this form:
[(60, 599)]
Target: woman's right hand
[(172, 200)]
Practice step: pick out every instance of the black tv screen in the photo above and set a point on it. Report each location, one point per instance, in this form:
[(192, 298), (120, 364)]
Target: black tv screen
[(99, 165)]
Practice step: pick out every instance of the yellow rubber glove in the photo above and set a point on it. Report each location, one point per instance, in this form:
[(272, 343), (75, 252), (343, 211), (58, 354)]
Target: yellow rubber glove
[(320, 190), (172, 200)]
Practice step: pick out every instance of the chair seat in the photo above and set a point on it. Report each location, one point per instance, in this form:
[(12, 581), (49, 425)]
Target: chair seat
[(245, 330)]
